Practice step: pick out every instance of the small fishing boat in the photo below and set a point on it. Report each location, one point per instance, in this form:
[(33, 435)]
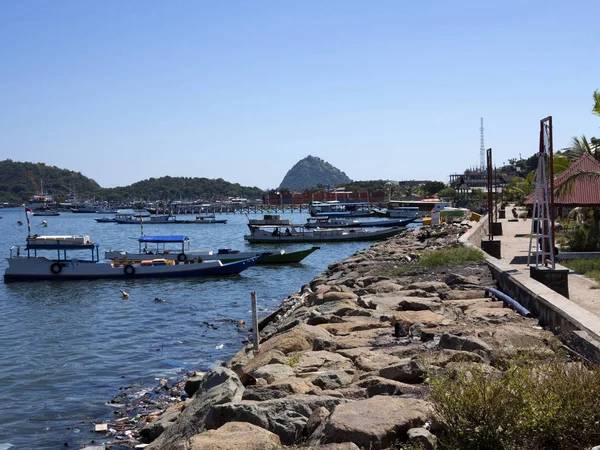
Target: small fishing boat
[(29, 265), (147, 219), (45, 211), (270, 220), (201, 219), (265, 235), (173, 247), (346, 222), (105, 219)]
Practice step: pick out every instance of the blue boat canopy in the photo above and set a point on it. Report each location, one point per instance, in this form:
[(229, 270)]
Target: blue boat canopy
[(164, 239)]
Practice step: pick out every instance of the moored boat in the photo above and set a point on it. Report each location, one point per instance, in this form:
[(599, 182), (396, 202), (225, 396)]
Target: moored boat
[(346, 222), (270, 220), (293, 235), (105, 219), (157, 246), (53, 263), (45, 211)]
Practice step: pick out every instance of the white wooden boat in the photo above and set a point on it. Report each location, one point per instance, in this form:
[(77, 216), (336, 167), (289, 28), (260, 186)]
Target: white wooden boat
[(45, 258), (293, 234), (347, 222), (270, 220), (146, 219), (173, 247), (45, 211)]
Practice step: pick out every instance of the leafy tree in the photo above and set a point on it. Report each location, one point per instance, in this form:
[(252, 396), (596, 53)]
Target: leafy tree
[(581, 145), (447, 192), (433, 187), (596, 108)]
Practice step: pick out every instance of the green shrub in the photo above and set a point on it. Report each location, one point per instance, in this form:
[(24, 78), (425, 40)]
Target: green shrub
[(554, 405), (454, 256), (588, 267)]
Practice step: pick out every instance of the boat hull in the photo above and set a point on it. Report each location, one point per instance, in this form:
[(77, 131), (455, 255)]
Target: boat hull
[(260, 236), (267, 258), (361, 224), (41, 268)]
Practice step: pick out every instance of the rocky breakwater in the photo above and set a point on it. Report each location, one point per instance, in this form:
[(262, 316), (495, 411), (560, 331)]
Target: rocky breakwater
[(346, 362)]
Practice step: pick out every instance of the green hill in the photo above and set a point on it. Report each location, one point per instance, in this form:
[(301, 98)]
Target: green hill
[(20, 180), (310, 172)]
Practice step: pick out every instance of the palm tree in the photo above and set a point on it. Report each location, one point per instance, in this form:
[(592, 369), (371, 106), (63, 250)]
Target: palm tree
[(581, 145), (596, 108)]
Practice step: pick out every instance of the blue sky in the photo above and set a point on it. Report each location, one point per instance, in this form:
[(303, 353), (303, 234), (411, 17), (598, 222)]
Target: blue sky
[(241, 90)]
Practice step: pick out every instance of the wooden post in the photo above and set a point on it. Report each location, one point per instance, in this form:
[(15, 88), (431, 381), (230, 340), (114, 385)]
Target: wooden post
[(255, 321)]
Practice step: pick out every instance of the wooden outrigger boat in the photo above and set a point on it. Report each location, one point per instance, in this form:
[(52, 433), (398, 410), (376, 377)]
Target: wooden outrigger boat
[(157, 246)]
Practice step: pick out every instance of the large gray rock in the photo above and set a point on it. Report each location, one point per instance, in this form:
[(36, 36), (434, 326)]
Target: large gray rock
[(273, 372), (375, 385), (333, 379), (411, 372), (237, 435), (375, 423), (423, 438), (152, 430), (287, 417), (465, 343), (417, 304), (316, 418), (219, 385), (280, 388), (430, 286)]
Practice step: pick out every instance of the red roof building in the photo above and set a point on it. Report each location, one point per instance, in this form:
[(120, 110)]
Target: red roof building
[(585, 191)]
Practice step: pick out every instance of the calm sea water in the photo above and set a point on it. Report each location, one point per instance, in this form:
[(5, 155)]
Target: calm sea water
[(67, 347)]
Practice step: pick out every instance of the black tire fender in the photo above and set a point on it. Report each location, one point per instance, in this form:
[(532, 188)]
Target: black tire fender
[(181, 257), (129, 270), (56, 268)]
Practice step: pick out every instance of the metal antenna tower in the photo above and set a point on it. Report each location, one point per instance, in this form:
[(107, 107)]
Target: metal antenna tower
[(482, 148)]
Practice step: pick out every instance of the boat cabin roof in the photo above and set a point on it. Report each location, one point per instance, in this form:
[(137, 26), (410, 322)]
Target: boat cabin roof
[(60, 243), (164, 239)]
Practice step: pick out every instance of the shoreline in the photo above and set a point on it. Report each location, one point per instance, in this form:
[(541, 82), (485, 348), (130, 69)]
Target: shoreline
[(358, 339)]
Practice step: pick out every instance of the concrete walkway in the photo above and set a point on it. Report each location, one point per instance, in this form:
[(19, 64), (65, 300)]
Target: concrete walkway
[(515, 248)]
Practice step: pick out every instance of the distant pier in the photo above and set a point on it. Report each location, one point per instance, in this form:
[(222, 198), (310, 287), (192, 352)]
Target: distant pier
[(242, 209)]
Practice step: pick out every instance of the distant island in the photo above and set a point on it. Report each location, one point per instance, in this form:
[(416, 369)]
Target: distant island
[(19, 181)]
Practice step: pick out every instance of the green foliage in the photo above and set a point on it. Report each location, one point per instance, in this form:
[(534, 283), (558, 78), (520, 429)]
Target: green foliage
[(596, 107), (433, 187), (447, 193), (588, 267), (531, 405), (17, 186), (367, 186), (585, 236), (20, 180), (458, 255), (454, 256), (309, 172), (294, 359)]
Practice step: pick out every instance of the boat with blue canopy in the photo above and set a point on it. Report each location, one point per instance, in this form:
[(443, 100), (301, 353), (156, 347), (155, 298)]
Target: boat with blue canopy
[(49, 258)]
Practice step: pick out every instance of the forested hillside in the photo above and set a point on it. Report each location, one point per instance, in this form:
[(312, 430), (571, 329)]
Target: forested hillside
[(311, 172), (20, 180)]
